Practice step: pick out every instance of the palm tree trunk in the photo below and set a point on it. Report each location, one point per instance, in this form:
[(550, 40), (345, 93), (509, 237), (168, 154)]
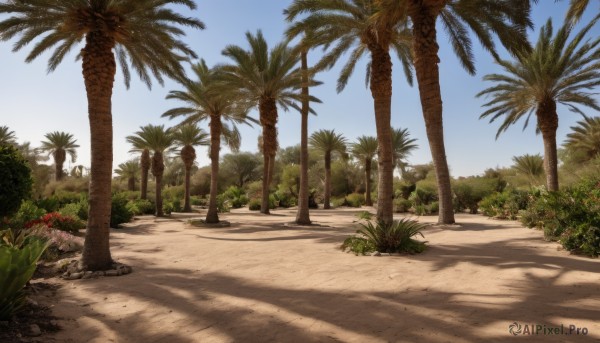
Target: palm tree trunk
[(426, 61), (187, 207), (268, 119), (548, 124), (59, 160), (158, 168), (212, 216), (145, 163), (368, 200), (327, 200), (381, 90), (303, 216), (99, 72), (131, 184)]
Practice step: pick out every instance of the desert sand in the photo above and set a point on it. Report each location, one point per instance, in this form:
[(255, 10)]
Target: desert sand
[(263, 280)]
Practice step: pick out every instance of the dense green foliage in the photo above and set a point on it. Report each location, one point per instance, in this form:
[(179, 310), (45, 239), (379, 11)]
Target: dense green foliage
[(15, 180), (396, 237), (119, 213)]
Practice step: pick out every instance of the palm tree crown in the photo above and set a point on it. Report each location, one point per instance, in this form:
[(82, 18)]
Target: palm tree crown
[(129, 171), (59, 145), (403, 146), (365, 150), (7, 136), (555, 71), (530, 165), (585, 137), (328, 141)]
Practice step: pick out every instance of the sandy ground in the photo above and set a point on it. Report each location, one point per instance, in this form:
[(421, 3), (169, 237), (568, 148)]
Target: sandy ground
[(262, 281)]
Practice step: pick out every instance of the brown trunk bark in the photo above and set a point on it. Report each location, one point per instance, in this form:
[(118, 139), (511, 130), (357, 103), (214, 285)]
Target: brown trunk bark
[(131, 184), (59, 160), (145, 162), (327, 195), (99, 72), (303, 215), (188, 156), (268, 119), (212, 216), (187, 207), (426, 61), (368, 200), (158, 168), (548, 124), (381, 90)]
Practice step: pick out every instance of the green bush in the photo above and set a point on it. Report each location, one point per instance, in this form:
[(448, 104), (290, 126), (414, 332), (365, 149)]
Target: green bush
[(355, 200), (173, 193), (285, 199), (337, 202), (167, 208), (17, 266), (141, 206), (58, 221), (119, 212), (396, 237), (402, 205), (254, 205), (77, 210), (235, 196), (468, 192), (15, 180), (26, 213), (422, 196), (197, 200), (505, 205)]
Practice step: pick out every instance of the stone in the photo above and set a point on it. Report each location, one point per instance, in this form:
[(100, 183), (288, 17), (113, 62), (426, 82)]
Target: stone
[(377, 253), (111, 272), (98, 273), (34, 330), (87, 275), (384, 254)]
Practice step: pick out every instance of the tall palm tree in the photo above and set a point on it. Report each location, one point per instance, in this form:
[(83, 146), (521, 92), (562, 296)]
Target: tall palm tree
[(507, 19), (303, 213), (555, 71), (144, 33), (585, 137), (267, 78), (160, 141), (350, 26), (129, 171), (209, 98), (328, 142), (7, 136), (530, 165), (59, 144), (186, 137), (403, 146), (365, 151)]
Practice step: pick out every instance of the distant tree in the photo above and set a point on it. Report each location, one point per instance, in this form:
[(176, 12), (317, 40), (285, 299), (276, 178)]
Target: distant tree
[(531, 166), (15, 180), (402, 146), (243, 167), (585, 138), (365, 150), (556, 71), (186, 137), (129, 171), (7, 136), (328, 142), (59, 144)]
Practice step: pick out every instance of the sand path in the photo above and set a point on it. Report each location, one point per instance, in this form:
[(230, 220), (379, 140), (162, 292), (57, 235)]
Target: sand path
[(262, 281)]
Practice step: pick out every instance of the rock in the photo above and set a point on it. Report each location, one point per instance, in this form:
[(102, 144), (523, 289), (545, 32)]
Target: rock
[(34, 330), (98, 273), (384, 254), (87, 275), (377, 253), (111, 272), (73, 276)]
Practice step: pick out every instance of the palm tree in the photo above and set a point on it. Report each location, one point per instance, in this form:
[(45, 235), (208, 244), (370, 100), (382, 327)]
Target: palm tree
[(350, 26), (7, 136), (585, 138), (138, 146), (160, 141), (507, 19), (208, 98), (555, 71), (365, 150), (402, 147), (143, 33), (186, 137), (267, 79), (303, 214), (530, 165), (129, 171), (328, 142), (59, 144)]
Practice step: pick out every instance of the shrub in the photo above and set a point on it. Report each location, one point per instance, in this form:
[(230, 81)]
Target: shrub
[(57, 221), (402, 205), (505, 205), (26, 213), (422, 196), (17, 266), (364, 215), (173, 193), (390, 238), (355, 200), (337, 202), (59, 242), (119, 213), (77, 210), (140, 206), (167, 208), (468, 192), (235, 196), (15, 180), (285, 199), (254, 205), (196, 200)]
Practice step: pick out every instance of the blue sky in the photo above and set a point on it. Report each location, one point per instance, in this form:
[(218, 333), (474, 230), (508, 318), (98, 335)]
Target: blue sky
[(34, 102)]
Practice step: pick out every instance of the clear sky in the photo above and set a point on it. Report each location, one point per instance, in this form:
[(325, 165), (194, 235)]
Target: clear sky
[(33, 102)]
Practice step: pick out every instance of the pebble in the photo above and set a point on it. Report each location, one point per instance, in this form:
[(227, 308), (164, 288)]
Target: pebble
[(34, 330), (377, 253)]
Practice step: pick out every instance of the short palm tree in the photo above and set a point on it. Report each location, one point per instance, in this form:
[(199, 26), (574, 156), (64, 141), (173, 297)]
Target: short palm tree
[(365, 150), (531, 166), (403, 146), (328, 142), (139, 147), (186, 137), (585, 138), (506, 19), (129, 171), (350, 26), (555, 71), (160, 141), (59, 145), (7, 136), (208, 98), (267, 78), (144, 33)]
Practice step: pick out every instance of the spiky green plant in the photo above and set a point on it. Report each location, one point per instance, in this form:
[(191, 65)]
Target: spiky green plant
[(395, 237)]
